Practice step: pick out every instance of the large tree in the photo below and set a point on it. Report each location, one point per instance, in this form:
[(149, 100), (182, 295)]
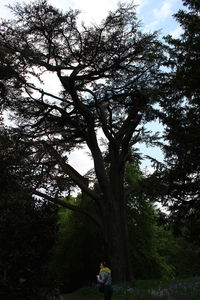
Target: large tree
[(109, 77)]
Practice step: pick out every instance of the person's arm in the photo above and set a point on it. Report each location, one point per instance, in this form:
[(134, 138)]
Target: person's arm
[(102, 279)]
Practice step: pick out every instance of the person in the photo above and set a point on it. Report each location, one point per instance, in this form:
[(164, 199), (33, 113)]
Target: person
[(105, 280)]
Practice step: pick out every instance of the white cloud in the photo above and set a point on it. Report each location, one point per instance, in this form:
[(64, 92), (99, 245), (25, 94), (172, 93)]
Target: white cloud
[(163, 13), (176, 32), (91, 11), (151, 26), (160, 15), (95, 11)]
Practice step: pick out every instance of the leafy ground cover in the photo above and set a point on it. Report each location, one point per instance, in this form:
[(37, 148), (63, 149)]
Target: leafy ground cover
[(182, 289)]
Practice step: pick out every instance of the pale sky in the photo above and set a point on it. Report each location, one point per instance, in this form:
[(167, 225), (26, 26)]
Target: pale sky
[(154, 15)]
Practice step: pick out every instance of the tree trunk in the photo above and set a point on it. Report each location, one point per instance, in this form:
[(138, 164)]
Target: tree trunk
[(119, 239), (113, 209), (117, 244)]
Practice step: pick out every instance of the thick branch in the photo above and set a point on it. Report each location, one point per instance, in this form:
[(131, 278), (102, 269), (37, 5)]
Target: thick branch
[(73, 174), (134, 116), (90, 136), (72, 207)]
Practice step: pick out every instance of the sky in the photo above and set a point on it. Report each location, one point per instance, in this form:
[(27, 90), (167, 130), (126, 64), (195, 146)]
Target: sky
[(154, 15)]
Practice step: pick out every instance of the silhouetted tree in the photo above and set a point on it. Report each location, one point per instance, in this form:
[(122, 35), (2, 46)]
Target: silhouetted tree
[(182, 116), (108, 77)]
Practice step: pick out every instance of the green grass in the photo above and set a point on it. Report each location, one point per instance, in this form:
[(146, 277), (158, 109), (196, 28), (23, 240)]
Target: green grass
[(182, 289)]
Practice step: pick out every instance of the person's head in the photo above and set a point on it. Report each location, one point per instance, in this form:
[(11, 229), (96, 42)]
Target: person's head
[(103, 264)]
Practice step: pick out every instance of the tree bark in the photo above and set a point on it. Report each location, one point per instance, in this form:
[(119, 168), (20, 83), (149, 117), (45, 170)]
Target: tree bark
[(115, 222), (116, 242)]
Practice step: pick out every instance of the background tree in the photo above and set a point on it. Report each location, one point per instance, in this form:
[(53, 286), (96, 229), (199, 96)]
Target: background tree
[(152, 244), (109, 77), (182, 119), (179, 181)]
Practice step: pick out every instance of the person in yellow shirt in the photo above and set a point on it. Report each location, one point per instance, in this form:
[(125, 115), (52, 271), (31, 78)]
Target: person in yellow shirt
[(105, 281)]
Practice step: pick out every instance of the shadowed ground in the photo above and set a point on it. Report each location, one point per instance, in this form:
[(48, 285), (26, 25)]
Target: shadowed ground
[(71, 297)]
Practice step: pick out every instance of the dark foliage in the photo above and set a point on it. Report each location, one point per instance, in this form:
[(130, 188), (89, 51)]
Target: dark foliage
[(27, 234), (79, 250), (182, 116)]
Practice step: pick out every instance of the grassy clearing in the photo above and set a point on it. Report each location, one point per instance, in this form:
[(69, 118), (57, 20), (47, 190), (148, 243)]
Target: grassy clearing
[(185, 289)]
